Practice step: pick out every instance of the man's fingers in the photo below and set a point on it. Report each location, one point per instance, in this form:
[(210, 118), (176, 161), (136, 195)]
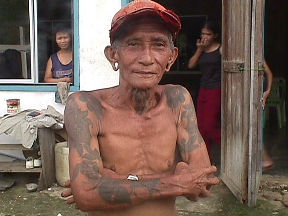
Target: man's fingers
[(204, 193), (207, 171), (66, 193), (212, 180), (180, 167), (211, 169), (209, 181), (67, 183), (192, 198), (70, 200)]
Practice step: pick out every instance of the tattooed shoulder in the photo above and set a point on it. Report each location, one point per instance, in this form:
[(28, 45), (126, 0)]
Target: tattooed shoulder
[(86, 101), (176, 95)]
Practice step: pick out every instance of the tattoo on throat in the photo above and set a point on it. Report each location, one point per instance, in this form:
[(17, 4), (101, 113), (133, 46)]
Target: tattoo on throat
[(140, 98)]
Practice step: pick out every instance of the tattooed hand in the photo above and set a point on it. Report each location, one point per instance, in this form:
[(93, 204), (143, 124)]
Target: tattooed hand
[(196, 181)]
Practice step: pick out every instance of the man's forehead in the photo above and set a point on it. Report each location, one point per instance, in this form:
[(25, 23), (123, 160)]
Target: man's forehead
[(146, 36), (145, 25)]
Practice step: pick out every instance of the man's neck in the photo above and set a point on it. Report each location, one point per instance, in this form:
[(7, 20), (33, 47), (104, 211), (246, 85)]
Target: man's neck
[(141, 100)]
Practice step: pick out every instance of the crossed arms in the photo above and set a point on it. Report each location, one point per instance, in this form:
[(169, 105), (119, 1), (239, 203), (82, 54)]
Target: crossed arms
[(95, 187)]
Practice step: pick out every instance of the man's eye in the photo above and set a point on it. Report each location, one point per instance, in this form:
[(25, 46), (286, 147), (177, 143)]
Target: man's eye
[(159, 44), (132, 44)]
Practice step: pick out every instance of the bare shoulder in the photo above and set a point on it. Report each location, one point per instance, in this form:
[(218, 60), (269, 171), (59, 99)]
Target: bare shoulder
[(176, 95), (84, 101)]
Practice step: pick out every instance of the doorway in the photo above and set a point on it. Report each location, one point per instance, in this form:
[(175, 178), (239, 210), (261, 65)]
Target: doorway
[(276, 54), (275, 49)]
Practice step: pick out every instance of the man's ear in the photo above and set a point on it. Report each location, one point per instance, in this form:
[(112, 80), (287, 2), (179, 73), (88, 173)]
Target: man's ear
[(110, 53), (172, 59)]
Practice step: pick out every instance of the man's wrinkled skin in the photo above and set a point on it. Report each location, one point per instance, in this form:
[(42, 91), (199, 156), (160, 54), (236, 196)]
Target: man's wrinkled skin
[(140, 128)]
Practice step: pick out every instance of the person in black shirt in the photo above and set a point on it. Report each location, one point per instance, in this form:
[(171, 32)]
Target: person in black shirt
[(208, 57)]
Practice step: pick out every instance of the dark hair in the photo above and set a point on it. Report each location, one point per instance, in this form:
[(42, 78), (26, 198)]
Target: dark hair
[(213, 26), (62, 28)]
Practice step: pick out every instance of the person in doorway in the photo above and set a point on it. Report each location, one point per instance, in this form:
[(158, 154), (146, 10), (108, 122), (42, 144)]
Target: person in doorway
[(59, 66), (208, 57), (135, 147), (268, 163)]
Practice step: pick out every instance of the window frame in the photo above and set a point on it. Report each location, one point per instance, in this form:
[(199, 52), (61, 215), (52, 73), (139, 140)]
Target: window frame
[(45, 87), (125, 2)]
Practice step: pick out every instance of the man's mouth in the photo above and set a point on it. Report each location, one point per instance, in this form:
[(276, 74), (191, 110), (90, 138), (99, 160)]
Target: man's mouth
[(145, 74)]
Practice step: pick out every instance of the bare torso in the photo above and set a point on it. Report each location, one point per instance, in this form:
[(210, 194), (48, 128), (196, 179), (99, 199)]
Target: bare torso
[(139, 144)]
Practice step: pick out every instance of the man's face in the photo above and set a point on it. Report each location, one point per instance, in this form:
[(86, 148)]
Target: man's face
[(144, 54)]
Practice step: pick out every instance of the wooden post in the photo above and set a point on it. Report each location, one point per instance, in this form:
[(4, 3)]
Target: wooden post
[(46, 139)]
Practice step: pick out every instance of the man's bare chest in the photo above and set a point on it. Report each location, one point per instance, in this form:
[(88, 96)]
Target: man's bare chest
[(136, 141), (129, 125)]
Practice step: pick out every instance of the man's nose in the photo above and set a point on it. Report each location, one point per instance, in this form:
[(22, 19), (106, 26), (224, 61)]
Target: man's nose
[(146, 56)]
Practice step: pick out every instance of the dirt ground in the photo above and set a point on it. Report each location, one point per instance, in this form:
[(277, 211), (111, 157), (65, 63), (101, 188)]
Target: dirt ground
[(274, 189)]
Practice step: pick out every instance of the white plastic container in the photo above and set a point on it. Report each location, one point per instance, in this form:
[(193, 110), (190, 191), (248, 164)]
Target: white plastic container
[(37, 162), (62, 163), (29, 163)]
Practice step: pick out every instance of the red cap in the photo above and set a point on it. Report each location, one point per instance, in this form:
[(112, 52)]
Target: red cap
[(140, 7)]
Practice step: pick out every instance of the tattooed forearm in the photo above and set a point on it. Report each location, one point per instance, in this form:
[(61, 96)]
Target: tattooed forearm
[(119, 192), (113, 192)]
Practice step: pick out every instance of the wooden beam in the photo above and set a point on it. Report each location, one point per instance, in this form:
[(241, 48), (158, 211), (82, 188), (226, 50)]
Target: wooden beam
[(46, 139)]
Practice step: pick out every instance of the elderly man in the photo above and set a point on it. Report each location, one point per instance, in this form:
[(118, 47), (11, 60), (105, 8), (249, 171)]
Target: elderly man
[(135, 147)]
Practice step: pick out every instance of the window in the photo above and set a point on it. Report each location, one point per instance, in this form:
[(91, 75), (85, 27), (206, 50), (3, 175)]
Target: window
[(27, 38), (15, 36)]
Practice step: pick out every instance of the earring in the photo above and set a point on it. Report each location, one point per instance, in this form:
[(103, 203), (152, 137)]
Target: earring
[(115, 66), (167, 67)]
